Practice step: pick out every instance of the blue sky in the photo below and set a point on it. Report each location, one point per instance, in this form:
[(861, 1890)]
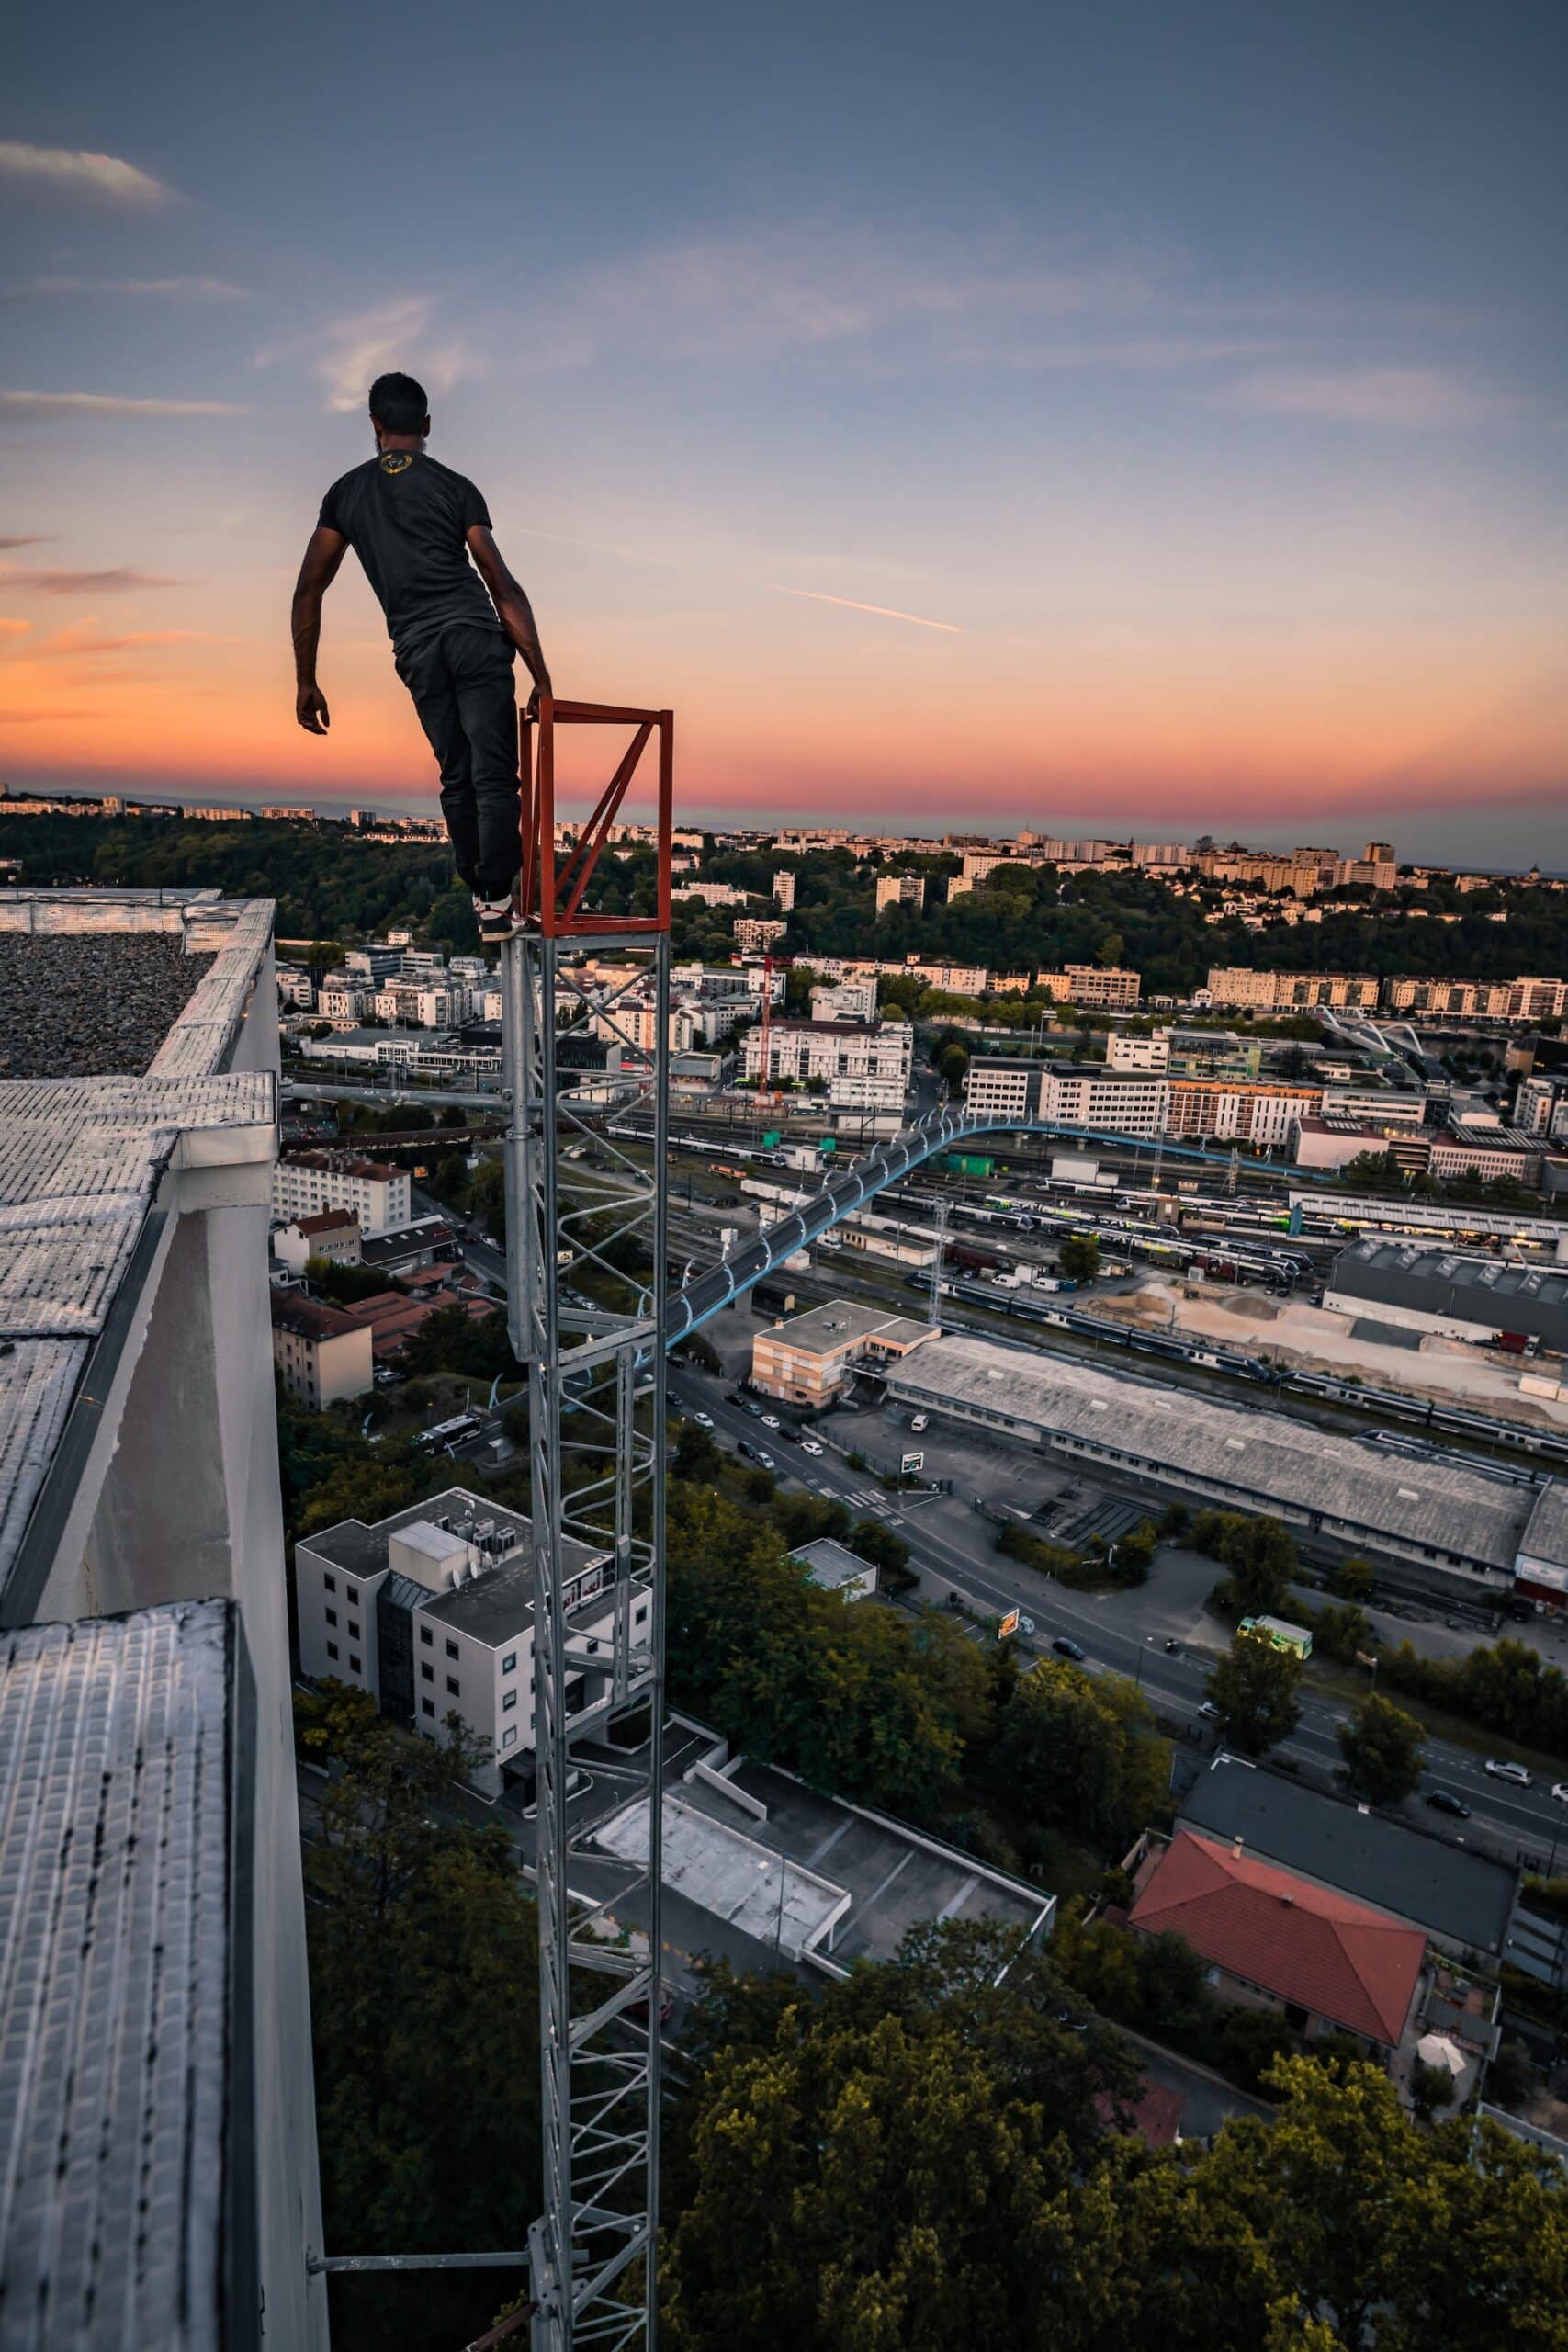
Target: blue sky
[(1198, 372)]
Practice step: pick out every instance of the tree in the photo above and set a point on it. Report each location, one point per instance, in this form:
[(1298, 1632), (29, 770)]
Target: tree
[(953, 1065), (1354, 1578), (1431, 2087), (1078, 1257), (1382, 1747), (1111, 950), (1254, 1687), (424, 2017), (878, 1543), (1260, 1555), (1081, 1752)]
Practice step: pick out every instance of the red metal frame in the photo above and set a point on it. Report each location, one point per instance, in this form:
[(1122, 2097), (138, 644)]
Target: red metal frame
[(551, 899)]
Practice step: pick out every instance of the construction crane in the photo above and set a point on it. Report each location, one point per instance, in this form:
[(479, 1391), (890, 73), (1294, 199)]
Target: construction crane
[(586, 1279)]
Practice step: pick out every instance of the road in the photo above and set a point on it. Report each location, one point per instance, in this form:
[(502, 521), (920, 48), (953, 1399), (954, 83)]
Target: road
[(945, 1537)]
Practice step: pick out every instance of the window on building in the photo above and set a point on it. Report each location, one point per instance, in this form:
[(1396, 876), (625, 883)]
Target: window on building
[(509, 1663), (509, 1702), (427, 1674), (330, 1583), (451, 1649), (427, 1636), (353, 1666), (332, 1649), (452, 1684), (427, 1706), (331, 1616), (508, 1739)]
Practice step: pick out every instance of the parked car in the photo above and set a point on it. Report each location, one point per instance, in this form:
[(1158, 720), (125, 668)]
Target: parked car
[(1065, 1646), (1503, 1767), (921, 1421), (744, 1445), (812, 1445), (1560, 1790), (1445, 1801), (755, 1411), (764, 1460), (702, 1420), (770, 1421)]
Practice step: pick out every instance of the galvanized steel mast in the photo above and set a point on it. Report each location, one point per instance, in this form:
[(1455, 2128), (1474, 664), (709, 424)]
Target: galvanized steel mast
[(586, 1283)]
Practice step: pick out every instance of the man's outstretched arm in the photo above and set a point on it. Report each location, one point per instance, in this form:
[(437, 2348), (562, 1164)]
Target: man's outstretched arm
[(513, 609), (323, 556)]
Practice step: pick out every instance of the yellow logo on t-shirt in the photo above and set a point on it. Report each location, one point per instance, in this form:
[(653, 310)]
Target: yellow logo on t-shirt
[(397, 461)]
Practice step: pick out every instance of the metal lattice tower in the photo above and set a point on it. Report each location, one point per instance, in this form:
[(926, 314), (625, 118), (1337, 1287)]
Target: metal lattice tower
[(586, 1280)]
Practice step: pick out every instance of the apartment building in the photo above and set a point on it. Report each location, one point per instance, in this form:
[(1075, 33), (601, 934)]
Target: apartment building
[(996, 1087), (1108, 1101), (1521, 1000), (333, 1235), (845, 1001), (783, 891), (304, 1182), (1487, 1152), (431, 1612), (755, 933), (1123, 1052), (1231, 988), (714, 893), (1092, 989), (901, 890), (1261, 1112), (321, 1354), (1540, 1108), (866, 1065), (808, 1360)]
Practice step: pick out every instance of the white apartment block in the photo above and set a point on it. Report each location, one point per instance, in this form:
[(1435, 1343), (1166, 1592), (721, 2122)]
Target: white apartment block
[(1126, 1053), (1542, 1107), (416, 1007), (343, 1006), (308, 1182), (783, 891), (714, 893), (321, 1354), (900, 890), (1105, 1101), (1093, 989), (845, 1001), (866, 1066), (1003, 1090), (1239, 1110), (296, 987), (431, 1610), (1229, 987)]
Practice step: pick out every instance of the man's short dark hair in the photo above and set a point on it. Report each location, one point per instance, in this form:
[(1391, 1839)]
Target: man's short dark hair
[(397, 404)]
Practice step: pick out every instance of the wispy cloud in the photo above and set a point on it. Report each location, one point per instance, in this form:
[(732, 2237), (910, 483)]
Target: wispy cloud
[(349, 354), (12, 629), (174, 290), (28, 539), (851, 604), (77, 171), (69, 643), (1412, 398), (19, 405), (118, 582)]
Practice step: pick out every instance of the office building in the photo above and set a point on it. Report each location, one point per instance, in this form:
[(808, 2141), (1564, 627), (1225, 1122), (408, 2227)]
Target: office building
[(863, 1066), (1092, 989), (304, 1182), (808, 1360)]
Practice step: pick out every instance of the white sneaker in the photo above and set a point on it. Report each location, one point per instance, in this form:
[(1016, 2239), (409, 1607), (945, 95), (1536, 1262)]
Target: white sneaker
[(497, 918)]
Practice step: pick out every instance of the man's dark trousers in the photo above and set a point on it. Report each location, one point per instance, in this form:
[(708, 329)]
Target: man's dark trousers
[(462, 687)]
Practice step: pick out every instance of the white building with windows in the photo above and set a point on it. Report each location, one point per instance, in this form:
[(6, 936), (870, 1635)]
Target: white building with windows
[(866, 1065), (900, 890), (308, 1182), (431, 1610), (845, 1001)]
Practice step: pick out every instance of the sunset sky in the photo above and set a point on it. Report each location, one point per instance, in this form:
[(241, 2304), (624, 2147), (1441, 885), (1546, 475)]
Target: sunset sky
[(1123, 416)]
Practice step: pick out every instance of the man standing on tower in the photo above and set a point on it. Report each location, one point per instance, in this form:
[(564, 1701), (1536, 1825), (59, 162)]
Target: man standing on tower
[(413, 523)]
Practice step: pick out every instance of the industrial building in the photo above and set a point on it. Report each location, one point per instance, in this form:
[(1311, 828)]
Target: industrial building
[(1334, 1490), (808, 1360), (1446, 1293)]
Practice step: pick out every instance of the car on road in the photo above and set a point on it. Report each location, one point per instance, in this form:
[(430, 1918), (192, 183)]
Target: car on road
[(1560, 1790), (764, 1460), (1173, 1650), (1445, 1801), (772, 1422), (1208, 1710), (1503, 1767), (755, 1411), (812, 1445), (1065, 1646), (744, 1445), (702, 1420)]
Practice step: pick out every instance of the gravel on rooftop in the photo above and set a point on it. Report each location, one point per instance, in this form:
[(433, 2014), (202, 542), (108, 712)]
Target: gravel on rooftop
[(90, 1006)]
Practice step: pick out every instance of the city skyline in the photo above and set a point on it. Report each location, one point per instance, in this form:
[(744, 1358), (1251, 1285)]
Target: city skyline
[(1105, 425)]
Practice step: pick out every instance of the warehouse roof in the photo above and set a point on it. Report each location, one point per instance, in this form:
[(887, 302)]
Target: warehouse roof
[(1546, 1536), (1480, 1284), (1265, 1459), (1462, 1897)]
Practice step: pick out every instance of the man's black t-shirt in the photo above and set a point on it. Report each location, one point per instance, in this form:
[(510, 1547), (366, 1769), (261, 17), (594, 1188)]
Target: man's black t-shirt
[(406, 516)]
